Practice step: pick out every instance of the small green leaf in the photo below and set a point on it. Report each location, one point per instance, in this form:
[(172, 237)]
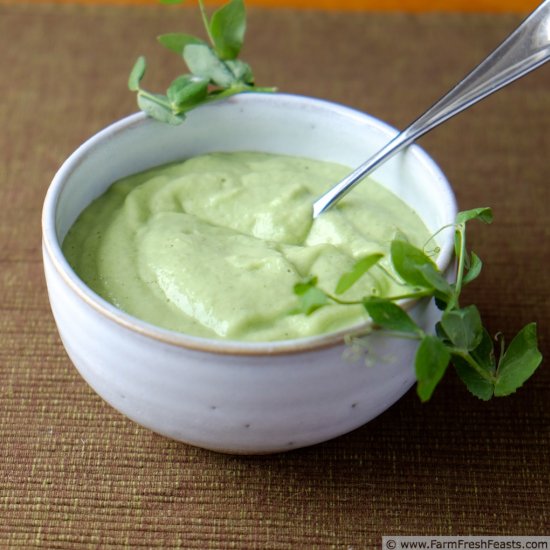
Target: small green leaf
[(187, 91), (310, 296), (519, 362), (136, 74), (432, 359), (476, 384), (485, 214), (171, 1), (227, 28), (157, 107), (347, 280), (412, 264), (441, 334), (463, 327), (203, 62), (303, 286), (436, 280), (241, 71), (484, 356), (390, 316), (176, 41), (474, 268)]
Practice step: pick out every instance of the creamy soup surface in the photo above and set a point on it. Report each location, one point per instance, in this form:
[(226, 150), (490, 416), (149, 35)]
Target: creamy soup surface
[(213, 246)]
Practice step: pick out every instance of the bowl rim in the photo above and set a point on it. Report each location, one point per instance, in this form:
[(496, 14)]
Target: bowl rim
[(52, 247)]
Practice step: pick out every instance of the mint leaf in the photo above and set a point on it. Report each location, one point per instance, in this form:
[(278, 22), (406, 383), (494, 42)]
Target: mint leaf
[(176, 41), (432, 359), (519, 361), (227, 29), (347, 280), (136, 74), (390, 316)]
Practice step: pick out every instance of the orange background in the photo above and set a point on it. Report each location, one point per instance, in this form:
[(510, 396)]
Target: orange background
[(490, 6)]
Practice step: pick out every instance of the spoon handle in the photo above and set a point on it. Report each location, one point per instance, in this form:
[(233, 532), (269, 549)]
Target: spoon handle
[(526, 49)]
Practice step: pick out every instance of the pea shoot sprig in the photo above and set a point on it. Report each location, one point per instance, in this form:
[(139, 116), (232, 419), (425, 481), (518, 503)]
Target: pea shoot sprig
[(215, 70), (459, 338)]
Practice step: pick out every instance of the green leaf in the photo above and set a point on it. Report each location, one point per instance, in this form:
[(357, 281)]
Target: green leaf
[(519, 362), (484, 354), (474, 268), (187, 91), (203, 62), (347, 280), (171, 1), (176, 41), (485, 214), (310, 296), (476, 384), (441, 334), (412, 265), (158, 108), (463, 327), (432, 359), (136, 74), (390, 316), (435, 279), (227, 28), (241, 71), (484, 357)]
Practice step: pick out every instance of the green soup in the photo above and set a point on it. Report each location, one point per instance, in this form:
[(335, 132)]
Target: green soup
[(214, 245)]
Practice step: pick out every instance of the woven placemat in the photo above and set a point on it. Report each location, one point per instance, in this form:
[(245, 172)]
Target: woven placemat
[(74, 473)]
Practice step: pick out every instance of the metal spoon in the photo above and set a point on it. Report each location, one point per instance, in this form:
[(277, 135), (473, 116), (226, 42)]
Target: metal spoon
[(526, 49)]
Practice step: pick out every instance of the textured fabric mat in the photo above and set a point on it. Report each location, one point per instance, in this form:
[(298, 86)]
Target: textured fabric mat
[(74, 473)]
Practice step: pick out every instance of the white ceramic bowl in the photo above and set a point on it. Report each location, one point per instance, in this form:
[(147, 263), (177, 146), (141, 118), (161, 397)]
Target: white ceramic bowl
[(225, 395)]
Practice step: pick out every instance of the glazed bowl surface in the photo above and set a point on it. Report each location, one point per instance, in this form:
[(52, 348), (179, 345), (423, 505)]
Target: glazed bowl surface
[(232, 396)]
